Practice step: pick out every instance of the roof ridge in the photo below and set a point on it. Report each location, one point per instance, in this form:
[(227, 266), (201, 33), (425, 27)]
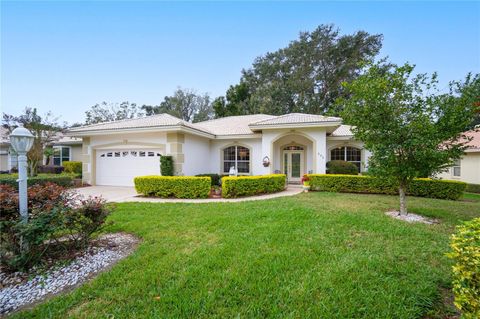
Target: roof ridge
[(226, 117), (125, 120)]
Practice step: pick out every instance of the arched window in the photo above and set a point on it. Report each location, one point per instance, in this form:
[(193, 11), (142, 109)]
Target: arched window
[(238, 157), (347, 153)]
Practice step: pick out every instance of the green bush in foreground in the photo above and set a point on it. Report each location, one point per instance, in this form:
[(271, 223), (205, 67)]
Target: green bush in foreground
[(473, 188), (422, 187), (166, 165), (73, 167), (40, 179), (173, 186), (341, 167), (466, 271), (252, 185)]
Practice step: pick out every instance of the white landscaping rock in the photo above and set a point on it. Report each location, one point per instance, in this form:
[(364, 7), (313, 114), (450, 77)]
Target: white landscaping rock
[(16, 293), (412, 218)]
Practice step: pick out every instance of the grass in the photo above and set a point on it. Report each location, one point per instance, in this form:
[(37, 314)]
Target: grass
[(315, 255)]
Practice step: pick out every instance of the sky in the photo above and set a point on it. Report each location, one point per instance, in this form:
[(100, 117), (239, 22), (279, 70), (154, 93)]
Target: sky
[(66, 56)]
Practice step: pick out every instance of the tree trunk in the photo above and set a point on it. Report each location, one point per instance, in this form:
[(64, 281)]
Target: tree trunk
[(403, 199)]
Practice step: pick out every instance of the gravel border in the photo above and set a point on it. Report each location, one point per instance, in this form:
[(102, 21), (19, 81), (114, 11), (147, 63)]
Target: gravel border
[(411, 218), (16, 292)]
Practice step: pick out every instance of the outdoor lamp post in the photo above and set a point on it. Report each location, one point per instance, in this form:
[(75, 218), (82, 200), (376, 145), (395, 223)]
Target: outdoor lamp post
[(22, 140)]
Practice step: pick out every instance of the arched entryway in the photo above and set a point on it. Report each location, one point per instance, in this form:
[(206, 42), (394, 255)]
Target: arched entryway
[(293, 156)]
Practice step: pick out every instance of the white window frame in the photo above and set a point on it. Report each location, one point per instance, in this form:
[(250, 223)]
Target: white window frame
[(457, 165), (61, 147), (222, 164)]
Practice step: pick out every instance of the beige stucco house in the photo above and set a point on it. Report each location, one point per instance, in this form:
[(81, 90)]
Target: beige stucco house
[(66, 148), (115, 152), (467, 169)]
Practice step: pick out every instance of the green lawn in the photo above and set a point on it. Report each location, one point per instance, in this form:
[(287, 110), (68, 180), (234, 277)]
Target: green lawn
[(315, 255)]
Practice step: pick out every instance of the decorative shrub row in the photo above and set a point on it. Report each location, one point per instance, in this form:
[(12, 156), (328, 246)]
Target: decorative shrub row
[(73, 167), (473, 188), (215, 178), (422, 187), (173, 186), (252, 185), (40, 179), (466, 271), (50, 169)]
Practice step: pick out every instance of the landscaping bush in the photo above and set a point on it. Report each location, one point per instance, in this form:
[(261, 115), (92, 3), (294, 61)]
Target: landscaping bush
[(341, 167), (473, 188), (166, 165), (252, 185), (173, 186), (466, 271), (59, 179), (422, 187), (50, 169), (53, 212), (73, 167), (215, 178)]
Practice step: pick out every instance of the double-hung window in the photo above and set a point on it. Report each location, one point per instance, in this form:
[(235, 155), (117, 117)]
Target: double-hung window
[(456, 169), (61, 154)]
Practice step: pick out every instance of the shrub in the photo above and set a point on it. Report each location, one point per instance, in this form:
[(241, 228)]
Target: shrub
[(215, 178), (422, 187), (252, 185), (341, 167), (173, 186), (50, 169), (166, 165), (60, 179), (53, 212), (73, 167), (466, 271), (473, 188)]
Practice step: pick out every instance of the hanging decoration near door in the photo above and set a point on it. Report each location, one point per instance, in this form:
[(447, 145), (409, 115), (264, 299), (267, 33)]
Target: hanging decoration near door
[(266, 161)]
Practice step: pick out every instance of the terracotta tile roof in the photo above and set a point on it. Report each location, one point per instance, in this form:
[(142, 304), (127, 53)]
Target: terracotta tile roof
[(474, 144)]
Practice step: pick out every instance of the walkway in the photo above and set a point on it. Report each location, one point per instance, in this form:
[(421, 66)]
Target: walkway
[(119, 194)]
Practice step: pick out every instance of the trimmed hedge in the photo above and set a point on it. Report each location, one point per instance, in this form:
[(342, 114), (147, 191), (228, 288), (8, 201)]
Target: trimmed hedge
[(73, 167), (341, 167), (252, 185), (215, 178), (473, 188), (422, 187), (466, 271), (173, 186), (40, 179), (50, 169)]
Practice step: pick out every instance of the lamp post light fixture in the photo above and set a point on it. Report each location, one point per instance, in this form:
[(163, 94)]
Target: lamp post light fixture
[(22, 140)]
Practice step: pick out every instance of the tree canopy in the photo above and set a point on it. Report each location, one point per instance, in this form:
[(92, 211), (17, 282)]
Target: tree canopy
[(185, 104), (411, 129), (44, 128), (305, 76), (106, 112)]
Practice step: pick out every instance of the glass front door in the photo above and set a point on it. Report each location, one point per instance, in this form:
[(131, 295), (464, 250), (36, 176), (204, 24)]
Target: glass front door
[(293, 165)]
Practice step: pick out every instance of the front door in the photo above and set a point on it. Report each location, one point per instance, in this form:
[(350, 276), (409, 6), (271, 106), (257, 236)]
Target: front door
[(293, 165)]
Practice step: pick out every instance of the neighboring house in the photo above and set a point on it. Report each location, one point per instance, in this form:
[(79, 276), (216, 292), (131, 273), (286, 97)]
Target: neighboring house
[(293, 144), (66, 148), (467, 169)]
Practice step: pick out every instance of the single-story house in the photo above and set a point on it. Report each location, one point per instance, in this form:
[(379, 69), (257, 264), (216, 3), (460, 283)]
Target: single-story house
[(467, 169), (293, 144), (66, 148)]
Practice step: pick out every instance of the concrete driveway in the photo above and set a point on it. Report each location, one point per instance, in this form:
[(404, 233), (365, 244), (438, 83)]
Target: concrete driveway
[(120, 194)]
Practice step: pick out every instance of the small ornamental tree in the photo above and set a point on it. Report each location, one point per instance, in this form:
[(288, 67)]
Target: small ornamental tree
[(411, 129)]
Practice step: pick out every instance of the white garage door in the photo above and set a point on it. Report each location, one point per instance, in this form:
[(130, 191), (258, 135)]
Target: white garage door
[(119, 167)]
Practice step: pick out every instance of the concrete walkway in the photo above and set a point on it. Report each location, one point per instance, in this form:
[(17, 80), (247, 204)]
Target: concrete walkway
[(119, 194)]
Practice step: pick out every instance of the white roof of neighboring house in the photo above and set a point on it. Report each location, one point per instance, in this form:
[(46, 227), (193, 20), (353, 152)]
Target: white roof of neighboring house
[(343, 130), (227, 126), (61, 139), (233, 125)]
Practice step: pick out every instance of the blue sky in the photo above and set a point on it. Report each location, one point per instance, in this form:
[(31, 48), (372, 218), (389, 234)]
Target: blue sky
[(67, 56)]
